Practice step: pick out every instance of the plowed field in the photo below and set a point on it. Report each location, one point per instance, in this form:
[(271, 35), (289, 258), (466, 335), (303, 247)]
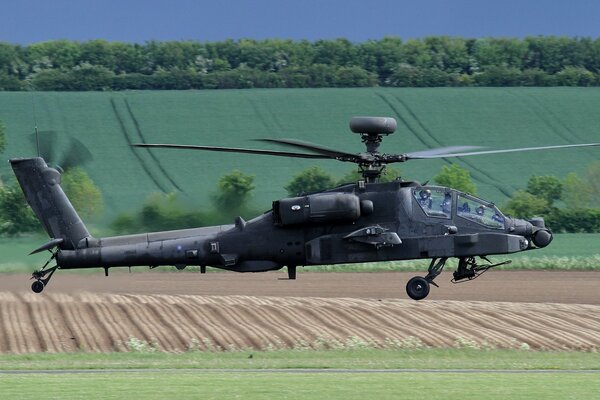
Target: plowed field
[(66, 319)]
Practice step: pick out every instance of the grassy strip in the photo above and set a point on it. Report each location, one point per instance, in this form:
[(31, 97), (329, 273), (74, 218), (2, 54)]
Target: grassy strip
[(306, 386), (355, 359)]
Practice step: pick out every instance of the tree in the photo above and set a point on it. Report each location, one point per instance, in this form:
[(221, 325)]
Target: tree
[(456, 177), (525, 205), (2, 142), (354, 77), (574, 76), (498, 76), (91, 77), (2, 137), (9, 82), (381, 57), (576, 194), (310, 180), (164, 212), (234, 191), (500, 52), (15, 214), (82, 192), (547, 187), (160, 212), (62, 54), (593, 179)]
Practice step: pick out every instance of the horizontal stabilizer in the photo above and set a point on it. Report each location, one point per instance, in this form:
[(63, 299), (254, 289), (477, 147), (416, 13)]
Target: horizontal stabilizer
[(48, 245)]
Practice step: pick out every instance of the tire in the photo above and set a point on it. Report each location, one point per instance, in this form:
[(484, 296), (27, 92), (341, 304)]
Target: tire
[(37, 287), (417, 288)]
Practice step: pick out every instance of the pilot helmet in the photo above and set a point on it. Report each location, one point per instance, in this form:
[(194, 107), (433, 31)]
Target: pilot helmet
[(425, 193)]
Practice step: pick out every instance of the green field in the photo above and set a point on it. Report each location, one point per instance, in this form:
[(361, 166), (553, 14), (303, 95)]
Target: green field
[(306, 386), (210, 375), (494, 117), (368, 358)]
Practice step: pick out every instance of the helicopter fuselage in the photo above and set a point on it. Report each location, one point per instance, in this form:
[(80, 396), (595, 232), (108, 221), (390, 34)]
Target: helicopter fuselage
[(353, 223)]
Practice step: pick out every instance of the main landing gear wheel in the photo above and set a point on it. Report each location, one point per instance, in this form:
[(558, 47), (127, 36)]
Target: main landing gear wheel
[(417, 288), (37, 286)]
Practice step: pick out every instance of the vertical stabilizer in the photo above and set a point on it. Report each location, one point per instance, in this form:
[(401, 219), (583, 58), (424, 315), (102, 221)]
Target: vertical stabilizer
[(41, 186)]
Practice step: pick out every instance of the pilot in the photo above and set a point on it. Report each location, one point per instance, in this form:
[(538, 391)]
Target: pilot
[(447, 203), (465, 208), (480, 210), (425, 198), (498, 218)]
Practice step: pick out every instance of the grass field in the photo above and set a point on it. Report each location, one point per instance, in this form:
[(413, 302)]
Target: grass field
[(427, 358), (218, 385), (494, 117), (254, 384)]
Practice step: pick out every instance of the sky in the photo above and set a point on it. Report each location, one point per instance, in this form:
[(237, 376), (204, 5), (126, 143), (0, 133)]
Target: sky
[(29, 21)]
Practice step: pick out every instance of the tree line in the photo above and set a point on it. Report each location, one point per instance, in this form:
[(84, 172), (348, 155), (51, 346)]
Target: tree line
[(432, 61)]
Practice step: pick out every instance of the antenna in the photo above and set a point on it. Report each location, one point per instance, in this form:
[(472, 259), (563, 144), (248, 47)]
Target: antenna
[(35, 127)]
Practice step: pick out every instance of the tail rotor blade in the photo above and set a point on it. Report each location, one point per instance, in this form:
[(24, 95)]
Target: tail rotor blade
[(76, 155), (46, 143)]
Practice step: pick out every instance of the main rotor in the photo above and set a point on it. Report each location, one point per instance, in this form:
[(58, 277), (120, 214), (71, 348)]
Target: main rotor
[(371, 162)]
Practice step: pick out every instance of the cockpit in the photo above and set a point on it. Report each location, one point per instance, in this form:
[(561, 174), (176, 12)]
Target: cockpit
[(440, 202)]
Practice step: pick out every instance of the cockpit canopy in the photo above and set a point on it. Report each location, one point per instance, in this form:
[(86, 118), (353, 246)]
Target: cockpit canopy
[(447, 203)]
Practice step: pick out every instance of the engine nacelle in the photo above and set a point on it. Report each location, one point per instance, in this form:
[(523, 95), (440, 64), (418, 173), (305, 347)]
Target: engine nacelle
[(317, 209)]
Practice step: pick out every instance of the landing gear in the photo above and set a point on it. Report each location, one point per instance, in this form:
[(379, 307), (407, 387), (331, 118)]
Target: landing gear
[(43, 275), (37, 286), (291, 272), (41, 282), (418, 287)]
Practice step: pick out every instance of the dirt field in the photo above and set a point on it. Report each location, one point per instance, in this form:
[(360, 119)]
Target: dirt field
[(553, 310)]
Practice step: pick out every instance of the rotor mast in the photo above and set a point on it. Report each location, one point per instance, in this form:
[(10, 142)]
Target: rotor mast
[(371, 130)]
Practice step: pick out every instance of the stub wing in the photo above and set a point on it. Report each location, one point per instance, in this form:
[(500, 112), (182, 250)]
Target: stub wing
[(375, 236)]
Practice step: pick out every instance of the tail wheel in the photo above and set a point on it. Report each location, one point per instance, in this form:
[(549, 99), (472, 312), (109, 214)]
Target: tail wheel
[(417, 288)]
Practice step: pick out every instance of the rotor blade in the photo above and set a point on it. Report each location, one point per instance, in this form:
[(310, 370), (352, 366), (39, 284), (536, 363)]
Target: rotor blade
[(76, 155), (47, 141), (331, 153), (232, 150), (477, 153), (442, 150)]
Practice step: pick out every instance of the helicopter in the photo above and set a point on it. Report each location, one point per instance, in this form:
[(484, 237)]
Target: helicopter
[(358, 222)]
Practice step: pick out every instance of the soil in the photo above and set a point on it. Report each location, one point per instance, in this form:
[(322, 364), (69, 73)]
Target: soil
[(178, 310)]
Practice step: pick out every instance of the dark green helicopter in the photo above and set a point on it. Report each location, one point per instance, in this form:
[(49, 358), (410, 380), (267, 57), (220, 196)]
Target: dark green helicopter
[(359, 222)]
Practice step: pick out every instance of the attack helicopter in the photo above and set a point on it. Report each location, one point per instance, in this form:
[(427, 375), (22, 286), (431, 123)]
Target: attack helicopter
[(358, 222)]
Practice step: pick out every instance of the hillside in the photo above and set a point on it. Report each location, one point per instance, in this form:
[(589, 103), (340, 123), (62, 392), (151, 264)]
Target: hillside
[(495, 117)]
